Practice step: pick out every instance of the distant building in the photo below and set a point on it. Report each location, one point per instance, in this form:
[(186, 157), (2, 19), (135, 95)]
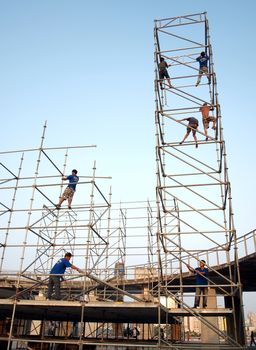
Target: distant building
[(251, 318), (192, 325), (145, 272)]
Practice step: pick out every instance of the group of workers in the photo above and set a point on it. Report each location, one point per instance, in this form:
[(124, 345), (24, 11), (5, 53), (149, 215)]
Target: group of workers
[(205, 109), (58, 270), (203, 69), (201, 272), (193, 123)]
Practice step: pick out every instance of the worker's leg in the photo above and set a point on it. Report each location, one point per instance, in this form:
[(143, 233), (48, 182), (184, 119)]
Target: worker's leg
[(213, 123), (56, 281), (194, 136), (206, 126), (70, 197), (205, 294), (168, 78), (206, 72), (197, 297), (200, 73), (184, 138), (206, 133), (50, 288), (63, 197), (69, 203), (186, 135), (161, 78)]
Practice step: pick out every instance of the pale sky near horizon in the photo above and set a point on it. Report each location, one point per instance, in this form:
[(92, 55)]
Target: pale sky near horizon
[(87, 68)]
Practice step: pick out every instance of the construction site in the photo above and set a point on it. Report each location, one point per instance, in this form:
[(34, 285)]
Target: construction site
[(136, 287)]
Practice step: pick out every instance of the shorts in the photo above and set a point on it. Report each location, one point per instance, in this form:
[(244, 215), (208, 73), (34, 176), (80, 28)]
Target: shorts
[(68, 193), (203, 70), (189, 128), (163, 74), (207, 120)]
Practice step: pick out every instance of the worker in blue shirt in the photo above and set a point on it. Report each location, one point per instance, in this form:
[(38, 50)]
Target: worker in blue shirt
[(203, 67), (201, 273), (56, 275), (70, 190)]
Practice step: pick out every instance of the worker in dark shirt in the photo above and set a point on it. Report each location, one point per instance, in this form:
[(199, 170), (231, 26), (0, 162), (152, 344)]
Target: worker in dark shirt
[(192, 125), (252, 339), (163, 73)]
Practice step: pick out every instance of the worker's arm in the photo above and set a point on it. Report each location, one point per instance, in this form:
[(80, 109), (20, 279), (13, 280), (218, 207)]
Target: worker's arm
[(77, 269), (191, 269)]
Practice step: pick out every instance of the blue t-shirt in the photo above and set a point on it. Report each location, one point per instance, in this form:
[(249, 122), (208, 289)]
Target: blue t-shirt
[(199, 278), (203, 61), (73, 180), (60, 266)]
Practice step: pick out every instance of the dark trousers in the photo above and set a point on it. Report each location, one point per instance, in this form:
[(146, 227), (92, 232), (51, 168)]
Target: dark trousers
[(204, 292), (54, 282), (252, 342)]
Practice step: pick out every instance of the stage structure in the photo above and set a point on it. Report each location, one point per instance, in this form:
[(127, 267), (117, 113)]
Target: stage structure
[(105, 298), (192, 174)]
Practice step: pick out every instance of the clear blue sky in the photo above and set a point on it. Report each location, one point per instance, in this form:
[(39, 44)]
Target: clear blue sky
[(87, 68)]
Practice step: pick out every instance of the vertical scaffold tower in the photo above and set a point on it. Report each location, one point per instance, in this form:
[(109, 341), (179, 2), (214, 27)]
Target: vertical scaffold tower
[(193, 187)]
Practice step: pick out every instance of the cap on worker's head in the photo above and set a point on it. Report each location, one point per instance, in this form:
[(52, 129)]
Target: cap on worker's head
[(74, 171), (205, 104), (202, 53), (161, 58), (68, 255)]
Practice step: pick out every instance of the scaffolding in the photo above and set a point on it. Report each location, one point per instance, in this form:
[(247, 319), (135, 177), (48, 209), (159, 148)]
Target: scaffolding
[(110, 294), (193, 177), (133, 290)]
